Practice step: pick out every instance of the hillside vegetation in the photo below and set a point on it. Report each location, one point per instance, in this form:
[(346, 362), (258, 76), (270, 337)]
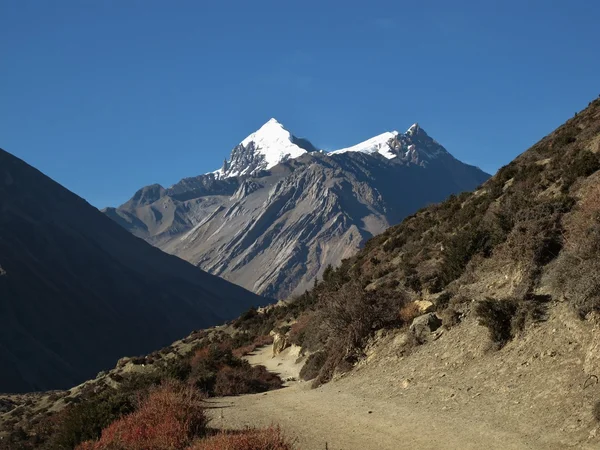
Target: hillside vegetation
[(526, 238), (149, 402)]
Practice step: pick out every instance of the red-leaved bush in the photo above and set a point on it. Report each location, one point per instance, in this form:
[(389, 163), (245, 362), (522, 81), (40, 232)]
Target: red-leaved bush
[(170, 417), (268, 439), (299, 328)]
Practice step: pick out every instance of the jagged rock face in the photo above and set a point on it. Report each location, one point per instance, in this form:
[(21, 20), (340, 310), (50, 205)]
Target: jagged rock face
[(274, 232), (77, 291)]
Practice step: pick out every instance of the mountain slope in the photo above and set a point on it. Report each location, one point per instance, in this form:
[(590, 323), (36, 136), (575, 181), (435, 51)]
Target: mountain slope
[(519, 250), (77, 291), (274, 232)]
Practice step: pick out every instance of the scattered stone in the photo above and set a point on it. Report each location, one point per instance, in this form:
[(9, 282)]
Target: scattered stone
[(425, 306), (280, 343), (422, 326)]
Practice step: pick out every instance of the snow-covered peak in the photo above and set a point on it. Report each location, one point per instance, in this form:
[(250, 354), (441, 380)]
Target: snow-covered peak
[(270, 145), (414, 146), (378, 144), (272, 129), (274, 142)]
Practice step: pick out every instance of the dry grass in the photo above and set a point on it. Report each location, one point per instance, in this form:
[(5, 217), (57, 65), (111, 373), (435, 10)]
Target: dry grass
[(268, 439), (409, 312)]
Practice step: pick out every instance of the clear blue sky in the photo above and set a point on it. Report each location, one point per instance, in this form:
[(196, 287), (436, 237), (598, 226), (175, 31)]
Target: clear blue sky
[(107, 96)]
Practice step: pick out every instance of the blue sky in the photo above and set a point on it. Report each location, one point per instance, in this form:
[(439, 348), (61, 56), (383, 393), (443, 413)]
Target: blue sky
[(107, 96)]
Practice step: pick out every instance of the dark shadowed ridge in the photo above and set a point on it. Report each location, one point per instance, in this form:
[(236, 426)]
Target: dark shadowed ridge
[(77, 291)]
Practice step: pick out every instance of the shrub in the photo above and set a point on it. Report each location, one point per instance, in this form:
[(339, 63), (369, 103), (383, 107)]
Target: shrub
[(497, 316), (268, 439), (583, 164), (169, 418), (408, 312), (311, 368), (298, 329), (566, 137), (443, 301), (529, 310), (413, 282), (349, 316), (460, 249), (245, 379), (505, 318), (86, 419), (450, 318)]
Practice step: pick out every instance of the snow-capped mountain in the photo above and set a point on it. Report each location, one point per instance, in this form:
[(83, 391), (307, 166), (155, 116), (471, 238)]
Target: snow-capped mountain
[(270, 145), (378, 144), (414, 146), (279, 211)]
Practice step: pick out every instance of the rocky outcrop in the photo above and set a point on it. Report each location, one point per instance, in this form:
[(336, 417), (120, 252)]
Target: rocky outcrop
[(424, 306), (280, 342), (422, 326)]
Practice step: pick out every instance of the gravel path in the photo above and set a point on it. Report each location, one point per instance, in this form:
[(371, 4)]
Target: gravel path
[(344, 416)]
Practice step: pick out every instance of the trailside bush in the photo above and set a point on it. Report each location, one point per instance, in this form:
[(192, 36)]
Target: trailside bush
[(497, 316), (169, 418), (505, 318), (86, 419), (268, 439), (245, 379), (311, 368), (349, 316)]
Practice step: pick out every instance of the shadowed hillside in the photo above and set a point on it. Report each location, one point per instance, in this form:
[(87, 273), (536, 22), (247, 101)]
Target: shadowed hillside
[(77, 291)]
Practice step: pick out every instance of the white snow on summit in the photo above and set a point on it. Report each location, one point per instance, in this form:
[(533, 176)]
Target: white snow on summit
[(270, 145), (274, 142), (377, 144)]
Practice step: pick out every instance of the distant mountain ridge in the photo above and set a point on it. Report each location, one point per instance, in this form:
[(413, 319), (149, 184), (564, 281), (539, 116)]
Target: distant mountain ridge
[(279, 211), (77, 292)]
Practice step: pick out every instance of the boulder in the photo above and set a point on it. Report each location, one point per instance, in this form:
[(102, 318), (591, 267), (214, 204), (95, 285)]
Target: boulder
[(280, 343), (425, 306), (422, 326)]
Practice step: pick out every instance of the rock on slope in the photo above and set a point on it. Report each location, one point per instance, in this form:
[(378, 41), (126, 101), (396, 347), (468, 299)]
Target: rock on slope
[(278, 212), (77, 291)]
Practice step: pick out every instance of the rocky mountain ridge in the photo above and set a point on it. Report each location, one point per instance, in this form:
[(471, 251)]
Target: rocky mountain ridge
[(294, 210)]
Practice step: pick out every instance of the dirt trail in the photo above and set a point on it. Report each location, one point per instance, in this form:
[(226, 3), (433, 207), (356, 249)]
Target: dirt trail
[(349, 415)]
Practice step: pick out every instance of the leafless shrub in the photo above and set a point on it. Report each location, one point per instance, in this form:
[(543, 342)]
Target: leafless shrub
[(349, 316)]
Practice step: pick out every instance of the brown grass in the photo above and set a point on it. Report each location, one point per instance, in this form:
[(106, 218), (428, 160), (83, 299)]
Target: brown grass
[(267, 439), (409, 312)]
